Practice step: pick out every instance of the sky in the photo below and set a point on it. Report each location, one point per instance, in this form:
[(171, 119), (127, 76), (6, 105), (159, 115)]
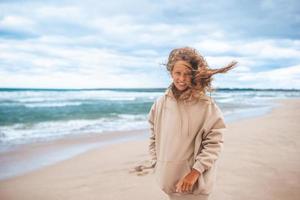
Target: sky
[(124, 44)]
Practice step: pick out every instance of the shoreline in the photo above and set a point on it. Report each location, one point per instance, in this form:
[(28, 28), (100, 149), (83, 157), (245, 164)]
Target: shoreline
[(28, 157), (18, 134), (25, 158), (260, 161)]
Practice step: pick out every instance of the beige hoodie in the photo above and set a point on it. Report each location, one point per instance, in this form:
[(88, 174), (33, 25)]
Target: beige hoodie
[(185, 135)]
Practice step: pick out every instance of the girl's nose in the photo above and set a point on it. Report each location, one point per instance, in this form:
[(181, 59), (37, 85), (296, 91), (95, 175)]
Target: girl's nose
[(182, 77)]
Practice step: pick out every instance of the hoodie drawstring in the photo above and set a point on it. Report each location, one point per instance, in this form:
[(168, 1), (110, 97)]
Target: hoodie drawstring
[(180, 116), (186, 110), (186, 113)]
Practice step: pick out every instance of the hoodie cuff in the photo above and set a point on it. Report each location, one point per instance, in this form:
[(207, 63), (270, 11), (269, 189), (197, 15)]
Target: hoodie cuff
[(199, 167), (153, 163)]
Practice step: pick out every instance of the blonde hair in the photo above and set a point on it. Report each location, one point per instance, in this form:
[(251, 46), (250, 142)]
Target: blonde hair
[(201, 73)]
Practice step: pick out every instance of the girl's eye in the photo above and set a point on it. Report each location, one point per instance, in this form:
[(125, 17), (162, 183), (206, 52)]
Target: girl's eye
[(183, 74)]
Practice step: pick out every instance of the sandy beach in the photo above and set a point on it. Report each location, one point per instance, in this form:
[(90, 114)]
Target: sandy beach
[(260, 161)]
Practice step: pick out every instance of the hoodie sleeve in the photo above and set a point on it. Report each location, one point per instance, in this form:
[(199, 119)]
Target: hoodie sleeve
[(212, 140), (152, 148)]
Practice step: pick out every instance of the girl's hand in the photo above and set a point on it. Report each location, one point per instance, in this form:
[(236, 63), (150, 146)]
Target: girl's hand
[(186, 183)]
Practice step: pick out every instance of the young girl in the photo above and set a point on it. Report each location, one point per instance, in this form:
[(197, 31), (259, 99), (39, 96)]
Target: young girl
[(187, 128)]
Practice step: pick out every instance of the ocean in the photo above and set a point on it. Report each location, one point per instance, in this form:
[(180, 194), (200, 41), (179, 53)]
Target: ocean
[(30, 115)]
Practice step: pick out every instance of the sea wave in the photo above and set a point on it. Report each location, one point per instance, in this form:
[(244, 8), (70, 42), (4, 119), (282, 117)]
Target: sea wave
[(28, 115), (55, 104), (22, 133)]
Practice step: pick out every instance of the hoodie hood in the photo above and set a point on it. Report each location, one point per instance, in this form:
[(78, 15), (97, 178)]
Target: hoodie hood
[(169, 93)]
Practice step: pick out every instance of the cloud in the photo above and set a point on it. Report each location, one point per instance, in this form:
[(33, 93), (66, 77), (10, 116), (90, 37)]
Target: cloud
[(17, 27), (286, 78), (283, 78), (114, 44)]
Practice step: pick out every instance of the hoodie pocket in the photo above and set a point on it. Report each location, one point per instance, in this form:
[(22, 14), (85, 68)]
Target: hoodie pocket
[(168, 173)]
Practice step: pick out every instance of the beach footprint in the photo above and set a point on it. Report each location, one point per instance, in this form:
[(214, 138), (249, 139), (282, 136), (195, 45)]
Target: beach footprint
[(142, 168)]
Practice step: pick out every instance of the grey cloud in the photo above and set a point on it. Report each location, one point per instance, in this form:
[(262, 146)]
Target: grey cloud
[(146, 31)]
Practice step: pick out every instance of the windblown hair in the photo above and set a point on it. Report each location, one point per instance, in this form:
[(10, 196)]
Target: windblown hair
[(201, 73)]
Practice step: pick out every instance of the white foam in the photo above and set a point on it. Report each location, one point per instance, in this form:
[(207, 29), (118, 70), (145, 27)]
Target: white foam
[(33, 99), (56, 104), (22, 133)]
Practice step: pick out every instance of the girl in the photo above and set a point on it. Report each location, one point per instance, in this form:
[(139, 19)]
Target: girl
[(187, 128)]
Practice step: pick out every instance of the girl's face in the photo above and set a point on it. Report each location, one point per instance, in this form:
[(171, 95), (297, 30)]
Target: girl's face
[(181, 75)]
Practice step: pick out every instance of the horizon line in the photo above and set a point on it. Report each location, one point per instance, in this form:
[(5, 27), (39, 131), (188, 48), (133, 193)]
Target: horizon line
[(150, 88)]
